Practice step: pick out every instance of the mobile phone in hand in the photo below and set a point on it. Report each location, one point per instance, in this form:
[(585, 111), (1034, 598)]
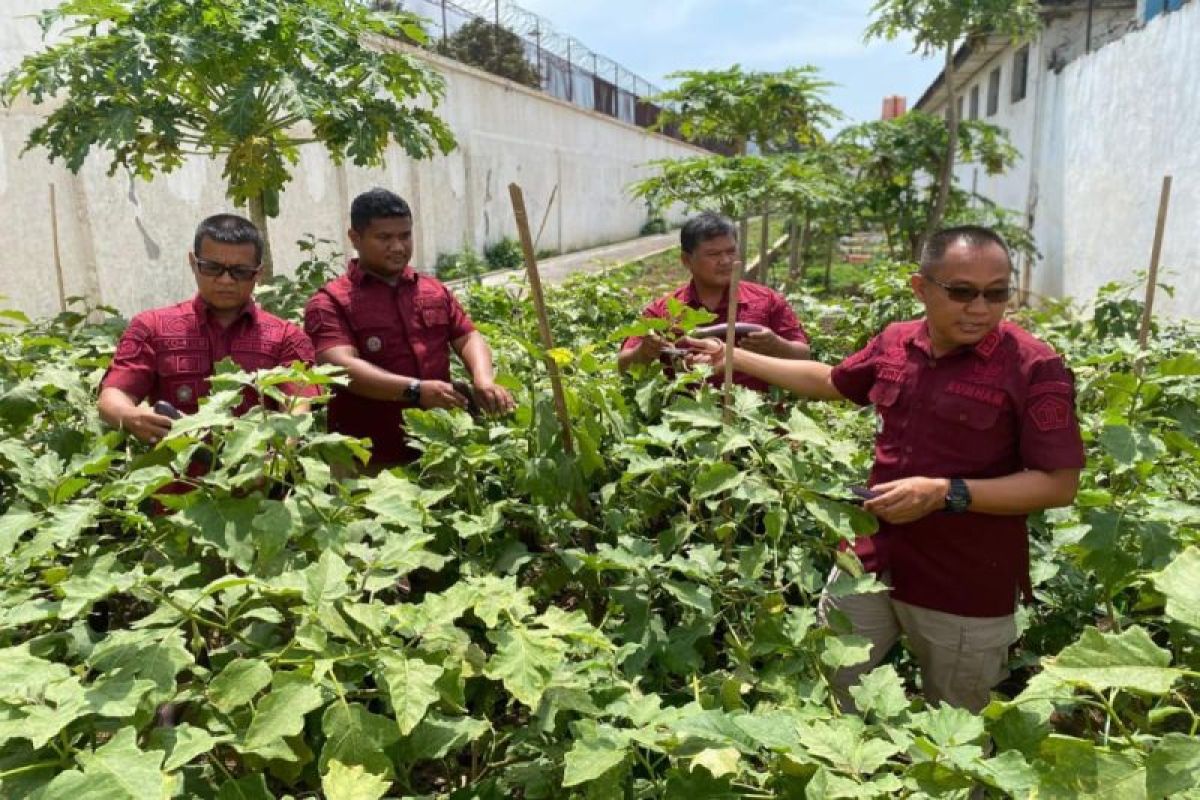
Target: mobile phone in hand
[(863, 493), (165, 409)]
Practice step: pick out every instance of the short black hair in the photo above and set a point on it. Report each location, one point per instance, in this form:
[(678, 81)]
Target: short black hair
[(704, 226), (974, 236), (377, 203), (229, 229)]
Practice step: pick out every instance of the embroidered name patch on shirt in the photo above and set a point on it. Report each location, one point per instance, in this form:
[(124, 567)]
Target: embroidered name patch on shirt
[(984, 394)]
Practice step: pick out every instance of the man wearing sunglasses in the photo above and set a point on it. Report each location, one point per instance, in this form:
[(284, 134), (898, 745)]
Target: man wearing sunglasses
[(977, 430), (168, 353)]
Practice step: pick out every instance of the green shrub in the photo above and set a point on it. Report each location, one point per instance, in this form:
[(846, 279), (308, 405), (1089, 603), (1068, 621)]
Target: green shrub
[(504, 254)]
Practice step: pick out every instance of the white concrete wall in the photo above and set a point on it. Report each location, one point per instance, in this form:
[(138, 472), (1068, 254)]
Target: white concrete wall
[(1116, 121), (124, 243)]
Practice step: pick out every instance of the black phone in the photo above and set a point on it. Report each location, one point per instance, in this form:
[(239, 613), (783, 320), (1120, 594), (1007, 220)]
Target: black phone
[(163, 408), (863, 493)]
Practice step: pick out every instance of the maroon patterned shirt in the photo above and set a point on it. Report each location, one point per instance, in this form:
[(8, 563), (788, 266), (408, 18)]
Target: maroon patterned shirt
[(168, 353), (404, 328), (1003, 406), (756, 303)]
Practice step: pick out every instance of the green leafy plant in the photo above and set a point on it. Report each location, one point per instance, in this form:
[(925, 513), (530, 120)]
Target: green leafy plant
[(501, 619), (504, 254)]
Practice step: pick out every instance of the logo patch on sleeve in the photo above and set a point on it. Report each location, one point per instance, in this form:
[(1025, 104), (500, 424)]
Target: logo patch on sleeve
[(1051, 412), (128, 348)]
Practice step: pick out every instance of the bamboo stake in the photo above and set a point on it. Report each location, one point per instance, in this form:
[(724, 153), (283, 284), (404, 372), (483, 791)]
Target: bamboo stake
[(1164, 200), (58, 271), (731, 337), (545, 218), (539, 304)]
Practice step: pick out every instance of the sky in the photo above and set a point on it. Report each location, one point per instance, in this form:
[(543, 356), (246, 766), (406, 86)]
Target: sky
[(655, 37)]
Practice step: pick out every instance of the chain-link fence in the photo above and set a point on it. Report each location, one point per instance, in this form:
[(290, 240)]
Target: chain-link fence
[(567, 69)]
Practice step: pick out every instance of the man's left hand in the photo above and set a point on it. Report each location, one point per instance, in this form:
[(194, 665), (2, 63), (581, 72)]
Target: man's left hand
[(493, 398), (765, 342), (908, 499)]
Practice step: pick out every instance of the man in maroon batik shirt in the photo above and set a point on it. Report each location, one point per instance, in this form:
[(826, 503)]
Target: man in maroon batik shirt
[(168, 353), (392, 329), (708, 248), (978, 431)]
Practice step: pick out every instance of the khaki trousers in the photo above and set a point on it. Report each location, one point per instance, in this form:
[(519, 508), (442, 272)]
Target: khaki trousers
[(961, 658)]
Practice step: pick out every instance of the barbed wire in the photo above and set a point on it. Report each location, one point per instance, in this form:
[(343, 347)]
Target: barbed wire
[(568, 68)]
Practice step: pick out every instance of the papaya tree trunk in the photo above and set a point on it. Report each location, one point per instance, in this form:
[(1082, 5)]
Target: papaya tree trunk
[(793, 249), (805, 243), (764, 248), (946, 174), (743, 235), (829, 262), (258, 215)]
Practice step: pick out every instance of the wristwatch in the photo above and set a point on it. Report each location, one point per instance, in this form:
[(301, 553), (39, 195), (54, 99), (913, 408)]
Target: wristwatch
[(958, 499), (412, 392)]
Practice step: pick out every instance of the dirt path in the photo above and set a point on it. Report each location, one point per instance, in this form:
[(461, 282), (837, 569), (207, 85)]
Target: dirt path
[(559, 268)]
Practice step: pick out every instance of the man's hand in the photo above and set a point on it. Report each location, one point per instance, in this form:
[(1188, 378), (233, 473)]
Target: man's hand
[(766, 341), (908, 499), (704, 351), (651, 347), (493, 398), (440, 394), (145, 424)]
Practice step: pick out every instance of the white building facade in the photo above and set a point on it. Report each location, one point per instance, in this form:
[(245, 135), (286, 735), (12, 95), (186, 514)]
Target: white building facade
[(1098, 106)]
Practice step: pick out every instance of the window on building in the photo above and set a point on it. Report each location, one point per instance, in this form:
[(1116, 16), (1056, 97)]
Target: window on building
[(1155, 7), (975, 102), (1020, 74), (993, 104), (961, 100)]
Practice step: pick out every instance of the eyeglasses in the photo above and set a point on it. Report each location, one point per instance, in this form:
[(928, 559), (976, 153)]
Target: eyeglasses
[(967, 294), (215, 269)]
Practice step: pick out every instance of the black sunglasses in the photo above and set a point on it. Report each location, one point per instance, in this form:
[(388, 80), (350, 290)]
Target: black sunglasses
[(214, 269), (967, 294)]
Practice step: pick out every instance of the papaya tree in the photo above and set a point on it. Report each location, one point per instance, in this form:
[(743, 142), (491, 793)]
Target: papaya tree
[(942, 26), (156, 81), (892, 161), (777, 111)]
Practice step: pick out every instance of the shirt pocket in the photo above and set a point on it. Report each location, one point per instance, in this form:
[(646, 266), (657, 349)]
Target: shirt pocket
[(434, 312), (963, 411), (183, 377), (884, 394), (183, 359)]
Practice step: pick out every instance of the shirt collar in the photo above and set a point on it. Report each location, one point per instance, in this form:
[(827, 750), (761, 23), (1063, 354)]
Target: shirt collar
[(358, 275), (204, 313), (984, 348), (690, 295)]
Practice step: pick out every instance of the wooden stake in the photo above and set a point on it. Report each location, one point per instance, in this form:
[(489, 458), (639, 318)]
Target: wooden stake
[(58, 271), (539, 304), (731, 337), (545, 218), (1164, 200)]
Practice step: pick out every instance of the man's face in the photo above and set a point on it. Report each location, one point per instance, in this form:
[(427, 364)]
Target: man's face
[(224, 292), (385, 246), (952, 323), (711, 263)]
